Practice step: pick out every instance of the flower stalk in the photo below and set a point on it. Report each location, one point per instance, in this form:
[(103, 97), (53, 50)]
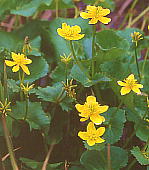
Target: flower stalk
[(76, 60), (93, 49), (137, 64), (8, 143)]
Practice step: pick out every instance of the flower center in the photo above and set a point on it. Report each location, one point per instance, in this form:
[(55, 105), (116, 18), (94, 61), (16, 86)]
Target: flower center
[(93, 136)]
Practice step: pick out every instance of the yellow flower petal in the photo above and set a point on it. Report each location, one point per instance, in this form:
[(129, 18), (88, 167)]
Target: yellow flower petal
[(104, 12), (103, 109), (91, 142), (91, 127), (79, 107), (91, 99), (10, 63), (99, 140), (125, 90), (131, 76), (15, 68), (100, 131), (104, 20), (93, 21), (25, 69), (121, 83), (83, 135), (84, 119), (136, 90), (14, 56), (84, 15), (76, 28), (97, 119), (27, 61), (91, 8), (139, 85)]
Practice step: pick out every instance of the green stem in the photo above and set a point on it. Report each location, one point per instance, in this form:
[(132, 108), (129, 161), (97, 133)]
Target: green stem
[(27, 103), (137, 63), (66, 72), (145, 59), (9, 144), (5, 83), (56, 4), (93, 50), (76, 60)]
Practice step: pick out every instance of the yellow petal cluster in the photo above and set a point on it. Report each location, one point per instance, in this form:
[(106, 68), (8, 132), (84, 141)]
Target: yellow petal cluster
[(96, 14), (70, 33), (91, 110), (92, 135), (136, 36), (130, 83), (19, 60)]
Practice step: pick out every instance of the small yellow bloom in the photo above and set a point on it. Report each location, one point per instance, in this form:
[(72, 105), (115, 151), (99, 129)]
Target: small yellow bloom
[(130, 83), (92, 135), (136, 36), (19, 60), (66, 59), (4, 108), (70, 33), (91, 109), (27, 88), (96, 14)]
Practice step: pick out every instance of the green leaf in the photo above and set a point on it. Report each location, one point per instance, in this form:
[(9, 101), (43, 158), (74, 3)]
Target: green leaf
[(49, 93), (108, 39), (10, 41), (13, 85), (30, 8), (141, 157), (59, 73), (38, 165), (36, 117), (98, 160), (42, 70), (142, 130), (115, 119), (81, 76)]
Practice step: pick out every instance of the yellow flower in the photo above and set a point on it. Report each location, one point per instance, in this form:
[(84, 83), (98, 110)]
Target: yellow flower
[(27, 88), (19, 60), (4, 107), (96, 14), (66, 59), (130, 83), (91, 109), (92, 135), (136, 36), (70, 33)]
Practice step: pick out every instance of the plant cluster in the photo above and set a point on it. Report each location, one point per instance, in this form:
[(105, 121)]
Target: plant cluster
[(48, 68)]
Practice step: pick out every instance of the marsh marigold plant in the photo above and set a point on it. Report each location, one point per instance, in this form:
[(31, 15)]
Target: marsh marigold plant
[(19, 60), (92, 135), (91, 110), (130, 83), (70, 32), (96, 14)]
